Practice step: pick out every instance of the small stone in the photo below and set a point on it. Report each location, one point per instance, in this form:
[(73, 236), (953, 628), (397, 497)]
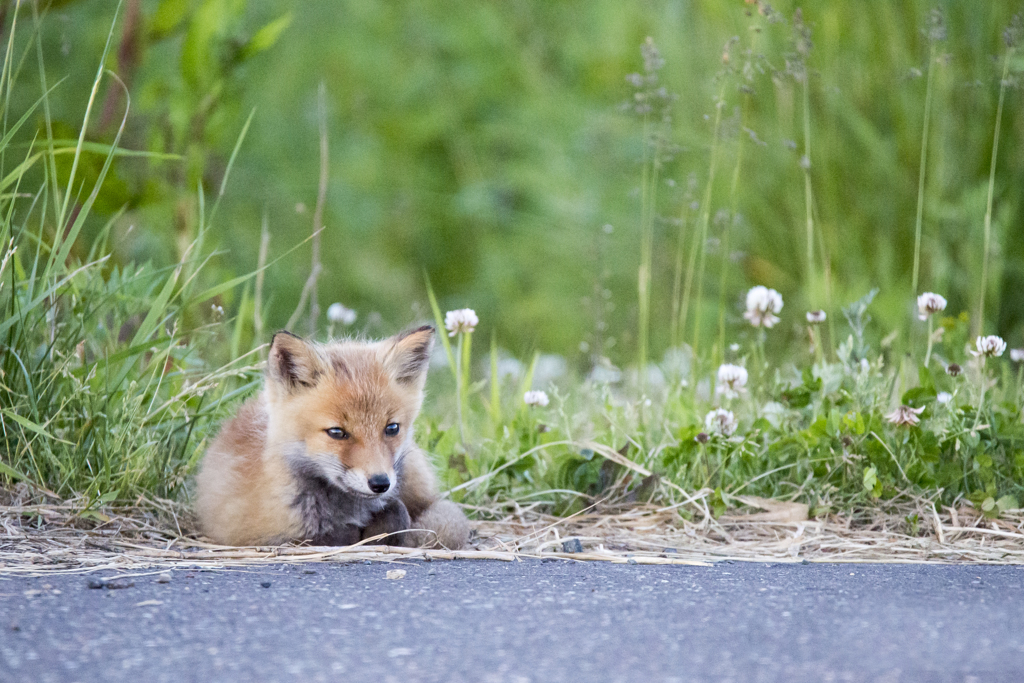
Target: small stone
[(163, 577), (117, 584), (307, 570), (96, 583), (549, 559), (670, 550), (631, 561), (15, 628), (431, 572), (572, 545), (265, 584), (367, 562), (395, 574)]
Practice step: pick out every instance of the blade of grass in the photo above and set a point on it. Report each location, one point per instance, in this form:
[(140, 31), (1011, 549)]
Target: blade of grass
[(88, 112)]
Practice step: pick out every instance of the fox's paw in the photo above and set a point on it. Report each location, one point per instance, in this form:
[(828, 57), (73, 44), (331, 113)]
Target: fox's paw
[(442, 525), (393, 518)]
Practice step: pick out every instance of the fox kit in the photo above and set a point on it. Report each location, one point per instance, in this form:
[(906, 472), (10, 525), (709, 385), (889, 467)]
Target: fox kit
[(325, 453)]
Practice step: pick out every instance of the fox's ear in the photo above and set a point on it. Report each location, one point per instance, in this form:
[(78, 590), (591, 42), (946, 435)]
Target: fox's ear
[(409, 354), (293, 361)]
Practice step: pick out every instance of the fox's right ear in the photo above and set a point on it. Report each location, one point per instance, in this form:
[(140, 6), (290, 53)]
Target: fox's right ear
[(409, 354), (293, 361)]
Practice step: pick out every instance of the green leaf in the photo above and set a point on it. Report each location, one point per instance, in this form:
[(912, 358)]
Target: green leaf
[(918, 396), (199, 64), (988, 504), (439, 321), (168, 16), (810, 381), (925, 378), (854, 422), (871, 483), (30, 425), (66, 146), (1007, 502), (12, 473), (266, 36), (927, 445)]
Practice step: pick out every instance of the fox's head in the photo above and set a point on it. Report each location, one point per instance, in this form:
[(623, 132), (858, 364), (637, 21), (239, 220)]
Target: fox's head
[(344, 411)]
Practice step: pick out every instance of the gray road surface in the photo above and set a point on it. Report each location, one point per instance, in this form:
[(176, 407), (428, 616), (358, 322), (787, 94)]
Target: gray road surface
[(530, 621)]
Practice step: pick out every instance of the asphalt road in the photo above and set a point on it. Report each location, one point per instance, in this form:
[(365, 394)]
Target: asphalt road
[(528, 621)]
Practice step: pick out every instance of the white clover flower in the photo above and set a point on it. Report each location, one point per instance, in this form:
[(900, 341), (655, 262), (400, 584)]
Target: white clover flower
[(989, 346), (535, 398), (720, 421), (944, 397), (337, 313), (732, 380), (930, 303), (816, 317), (1017, 355), (905, 415), (463, 320), (762, 305)]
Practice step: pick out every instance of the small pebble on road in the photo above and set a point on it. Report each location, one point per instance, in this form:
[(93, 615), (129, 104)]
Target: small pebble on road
[(572, 545)]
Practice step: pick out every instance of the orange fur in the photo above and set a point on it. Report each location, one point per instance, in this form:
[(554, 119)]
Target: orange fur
[(275, 473)]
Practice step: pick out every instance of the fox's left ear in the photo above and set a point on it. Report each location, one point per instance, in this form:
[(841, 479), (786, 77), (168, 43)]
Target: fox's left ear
[(408, 355)]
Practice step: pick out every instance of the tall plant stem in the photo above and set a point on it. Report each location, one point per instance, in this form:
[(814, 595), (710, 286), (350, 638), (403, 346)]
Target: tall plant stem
[(261, 265), (928, 353), (648, 199), (677, 280), (318, 213), (980, 324), (648, 211), (459, 390), (921, 173), (981, 399), (702, 234), (726, 233), (1020, 377), (808, 193)]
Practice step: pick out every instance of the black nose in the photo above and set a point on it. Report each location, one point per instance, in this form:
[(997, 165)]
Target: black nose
[(379, 483)]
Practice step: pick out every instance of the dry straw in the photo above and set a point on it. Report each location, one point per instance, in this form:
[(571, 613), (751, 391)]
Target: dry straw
[(66, 538)]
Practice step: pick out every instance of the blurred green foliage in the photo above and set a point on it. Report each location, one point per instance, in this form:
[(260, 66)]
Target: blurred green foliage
[(484, 143)]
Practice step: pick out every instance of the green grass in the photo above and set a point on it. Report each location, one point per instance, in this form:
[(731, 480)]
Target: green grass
[(113, 375), (813, 432), (109, 374)]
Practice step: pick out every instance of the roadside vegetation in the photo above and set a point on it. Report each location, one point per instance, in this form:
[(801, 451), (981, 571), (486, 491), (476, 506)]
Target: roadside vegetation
[(745, 365)]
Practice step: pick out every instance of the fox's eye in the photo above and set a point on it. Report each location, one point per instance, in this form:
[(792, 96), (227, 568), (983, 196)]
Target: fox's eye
[(337, 433), (391, 429)]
